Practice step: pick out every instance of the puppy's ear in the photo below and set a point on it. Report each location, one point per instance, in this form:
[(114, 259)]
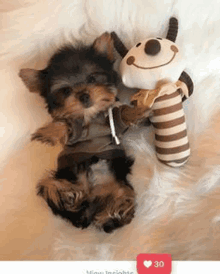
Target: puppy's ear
[(52, 134), (104, 45), (31, 79)]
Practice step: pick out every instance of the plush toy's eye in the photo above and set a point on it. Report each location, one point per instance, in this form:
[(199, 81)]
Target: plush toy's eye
[(138, 45), (159, 38)]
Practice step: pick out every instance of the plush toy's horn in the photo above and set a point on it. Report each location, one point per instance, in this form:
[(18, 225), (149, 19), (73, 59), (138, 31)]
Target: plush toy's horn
[(173, 29), (119, 46)]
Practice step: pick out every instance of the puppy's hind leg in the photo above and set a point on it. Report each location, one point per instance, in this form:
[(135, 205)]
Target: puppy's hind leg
[(65, 199), (121, 167)]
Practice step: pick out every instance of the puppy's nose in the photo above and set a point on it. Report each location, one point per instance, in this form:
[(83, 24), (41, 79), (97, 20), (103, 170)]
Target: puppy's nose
[(152, 47), (85, 99)]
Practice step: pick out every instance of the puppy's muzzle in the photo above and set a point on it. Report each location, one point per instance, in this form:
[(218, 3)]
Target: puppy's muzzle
[(85, 99)]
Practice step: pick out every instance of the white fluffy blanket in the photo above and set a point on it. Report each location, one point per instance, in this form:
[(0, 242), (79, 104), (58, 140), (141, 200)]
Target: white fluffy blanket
[(178, 209)]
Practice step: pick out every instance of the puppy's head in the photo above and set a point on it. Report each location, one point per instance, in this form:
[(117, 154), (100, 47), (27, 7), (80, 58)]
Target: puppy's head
[(78, 81)]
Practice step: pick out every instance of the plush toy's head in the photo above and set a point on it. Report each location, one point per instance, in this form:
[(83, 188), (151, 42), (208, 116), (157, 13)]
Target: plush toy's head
[(152, 60)]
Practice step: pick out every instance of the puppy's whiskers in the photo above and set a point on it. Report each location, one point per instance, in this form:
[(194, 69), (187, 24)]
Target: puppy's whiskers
[(90, 113)]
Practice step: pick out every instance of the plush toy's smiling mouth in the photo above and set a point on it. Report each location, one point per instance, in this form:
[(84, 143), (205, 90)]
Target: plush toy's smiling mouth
[(130, 61)]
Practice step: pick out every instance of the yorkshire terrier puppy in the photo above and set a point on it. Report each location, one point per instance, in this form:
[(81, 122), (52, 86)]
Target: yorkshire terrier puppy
[(90, 184)]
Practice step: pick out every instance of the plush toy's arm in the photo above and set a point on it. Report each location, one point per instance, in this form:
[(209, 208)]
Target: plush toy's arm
[(186, 79), (132, 115), (124, 116)]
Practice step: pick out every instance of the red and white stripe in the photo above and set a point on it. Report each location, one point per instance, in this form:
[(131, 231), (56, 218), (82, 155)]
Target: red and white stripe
[(168, 119)]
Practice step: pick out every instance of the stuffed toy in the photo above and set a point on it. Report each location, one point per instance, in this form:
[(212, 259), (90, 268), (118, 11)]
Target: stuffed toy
[(155, 66)]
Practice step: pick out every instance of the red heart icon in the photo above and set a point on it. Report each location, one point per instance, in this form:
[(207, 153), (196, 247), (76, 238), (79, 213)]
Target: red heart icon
[(154, 263)]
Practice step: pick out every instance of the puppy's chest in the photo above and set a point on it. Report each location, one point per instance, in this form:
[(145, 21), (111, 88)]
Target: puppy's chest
[(99, 173), (95, 139), (95, 129)]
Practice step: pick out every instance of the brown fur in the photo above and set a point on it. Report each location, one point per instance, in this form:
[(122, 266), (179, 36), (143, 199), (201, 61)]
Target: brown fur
[(119, 203), (63, 194), (57, 131), (30, 79), (102, 98), (52, 133), (105, 44)]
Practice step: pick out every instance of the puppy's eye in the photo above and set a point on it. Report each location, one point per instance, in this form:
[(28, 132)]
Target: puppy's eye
[(91, 79), (65, 91), (101, 78), (159, 38), (138, 45)]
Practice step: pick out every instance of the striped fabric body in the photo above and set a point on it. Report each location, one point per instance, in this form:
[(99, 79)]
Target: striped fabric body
[(168, 119)]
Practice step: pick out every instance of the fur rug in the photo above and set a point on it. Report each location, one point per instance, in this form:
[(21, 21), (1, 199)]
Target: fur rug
[(178, 209)]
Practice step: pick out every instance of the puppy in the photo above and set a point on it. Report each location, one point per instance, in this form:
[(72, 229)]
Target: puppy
[(90, 184)]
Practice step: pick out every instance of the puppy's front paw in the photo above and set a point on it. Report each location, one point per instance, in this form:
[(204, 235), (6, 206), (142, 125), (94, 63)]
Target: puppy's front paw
[(38, 136), (52, 134)]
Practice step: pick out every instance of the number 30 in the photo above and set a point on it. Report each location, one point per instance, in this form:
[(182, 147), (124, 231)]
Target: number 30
[(159, 264)]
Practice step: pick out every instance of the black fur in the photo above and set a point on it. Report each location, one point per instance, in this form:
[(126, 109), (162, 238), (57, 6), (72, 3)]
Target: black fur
[(86, 211), (68, 173), (79, 218), (111, 225), (80, 64), (121, 167)]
